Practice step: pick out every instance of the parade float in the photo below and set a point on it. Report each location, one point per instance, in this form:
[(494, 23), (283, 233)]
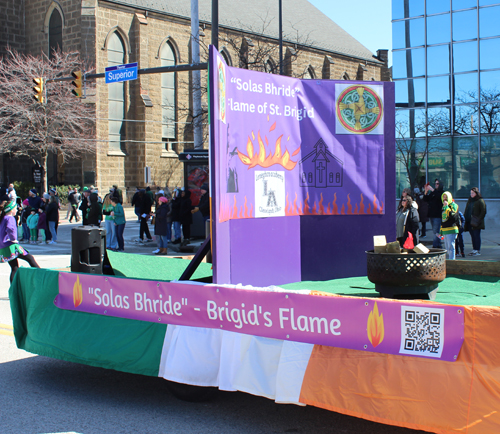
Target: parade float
[(302, 179)]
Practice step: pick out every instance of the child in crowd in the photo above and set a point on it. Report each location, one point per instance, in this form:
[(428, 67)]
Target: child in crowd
[(32, 222)]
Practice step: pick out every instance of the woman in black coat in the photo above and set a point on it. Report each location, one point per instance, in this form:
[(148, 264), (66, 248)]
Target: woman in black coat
[(476, 207), (52, 217), (145, 206), (185, 215), (407, 221)]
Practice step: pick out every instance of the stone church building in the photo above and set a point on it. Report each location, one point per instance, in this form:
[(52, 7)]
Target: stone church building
[(148, 122)]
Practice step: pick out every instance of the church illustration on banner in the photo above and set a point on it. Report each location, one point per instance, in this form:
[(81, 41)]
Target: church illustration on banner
[(320, 168)]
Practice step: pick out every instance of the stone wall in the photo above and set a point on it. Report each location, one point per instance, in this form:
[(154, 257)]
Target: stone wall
[(12, 25)]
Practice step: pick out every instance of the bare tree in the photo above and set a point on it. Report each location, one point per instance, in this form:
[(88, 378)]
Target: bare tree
[(249, 49), (410, 151), (488, 111), (62, 124), (258, 52)]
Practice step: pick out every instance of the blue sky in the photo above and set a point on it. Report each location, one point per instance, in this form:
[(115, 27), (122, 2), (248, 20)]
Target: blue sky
[(369, 21)]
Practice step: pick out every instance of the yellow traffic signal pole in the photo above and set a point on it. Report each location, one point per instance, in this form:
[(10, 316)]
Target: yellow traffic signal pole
[(79, 80), (40, 94)]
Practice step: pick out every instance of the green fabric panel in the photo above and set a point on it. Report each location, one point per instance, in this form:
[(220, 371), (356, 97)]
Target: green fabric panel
[(462, 290), (153, 267), (113, 343)]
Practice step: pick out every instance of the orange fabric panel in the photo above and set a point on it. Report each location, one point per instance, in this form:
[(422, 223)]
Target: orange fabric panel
[(414, 392)]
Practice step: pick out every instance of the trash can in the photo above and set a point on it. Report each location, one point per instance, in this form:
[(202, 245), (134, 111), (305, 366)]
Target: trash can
[(88, 247)]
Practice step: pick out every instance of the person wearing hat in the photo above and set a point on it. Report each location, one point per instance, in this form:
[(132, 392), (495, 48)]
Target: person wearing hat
[(84, 206), (34, 200), (161, 229), (204, 204), (10, 250)]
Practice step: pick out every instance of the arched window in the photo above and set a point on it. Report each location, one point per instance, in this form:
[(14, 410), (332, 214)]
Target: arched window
[(55, 32), (116, 94), (168, 97), (310, 72), (225, 55), (310, 177), (270, 67)]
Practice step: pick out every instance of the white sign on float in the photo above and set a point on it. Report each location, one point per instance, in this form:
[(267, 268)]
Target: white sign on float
[(116, 74), (269, 193)]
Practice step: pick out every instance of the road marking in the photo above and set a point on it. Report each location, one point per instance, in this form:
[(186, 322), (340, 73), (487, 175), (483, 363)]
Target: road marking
[(6, 333)]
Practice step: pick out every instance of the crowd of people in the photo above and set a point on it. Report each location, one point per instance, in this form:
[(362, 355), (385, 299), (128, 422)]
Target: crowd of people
[(434, 205), (172, 215), (35, 219)]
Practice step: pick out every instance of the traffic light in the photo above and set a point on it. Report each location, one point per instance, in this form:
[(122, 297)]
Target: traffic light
[(77, 83), (38, 89)]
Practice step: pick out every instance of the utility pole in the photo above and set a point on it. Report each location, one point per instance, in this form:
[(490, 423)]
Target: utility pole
[(280, 36), (196, 80)]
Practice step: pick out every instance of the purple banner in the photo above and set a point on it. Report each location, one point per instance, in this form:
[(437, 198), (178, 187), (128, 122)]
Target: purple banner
[(298, 147), (384, 326)]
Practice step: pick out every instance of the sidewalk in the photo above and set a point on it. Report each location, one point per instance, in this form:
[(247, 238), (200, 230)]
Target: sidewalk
[(490, 245)]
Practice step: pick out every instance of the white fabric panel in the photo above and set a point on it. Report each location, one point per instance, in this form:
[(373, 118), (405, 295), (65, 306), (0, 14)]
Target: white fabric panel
[(191, 355), (232, 361), (291, 370), (258, 365)]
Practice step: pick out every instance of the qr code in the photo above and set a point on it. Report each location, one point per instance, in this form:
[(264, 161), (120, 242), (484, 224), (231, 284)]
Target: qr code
[(422, 331)]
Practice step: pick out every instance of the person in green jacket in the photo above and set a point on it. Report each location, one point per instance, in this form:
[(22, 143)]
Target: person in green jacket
[(119, 218), (475, 210), (449, 226)]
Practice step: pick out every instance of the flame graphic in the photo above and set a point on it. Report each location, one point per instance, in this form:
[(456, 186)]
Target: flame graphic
[(230, 208), (253, 159), (77, 292), (375, 327), (228, 212)]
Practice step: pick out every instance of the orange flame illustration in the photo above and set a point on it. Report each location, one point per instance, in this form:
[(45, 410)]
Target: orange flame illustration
[(231, 209), (77, 292), (253, 159), (228, 212), (375, 327)]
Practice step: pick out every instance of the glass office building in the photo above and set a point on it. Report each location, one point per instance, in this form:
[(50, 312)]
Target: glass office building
[(446, 70)]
